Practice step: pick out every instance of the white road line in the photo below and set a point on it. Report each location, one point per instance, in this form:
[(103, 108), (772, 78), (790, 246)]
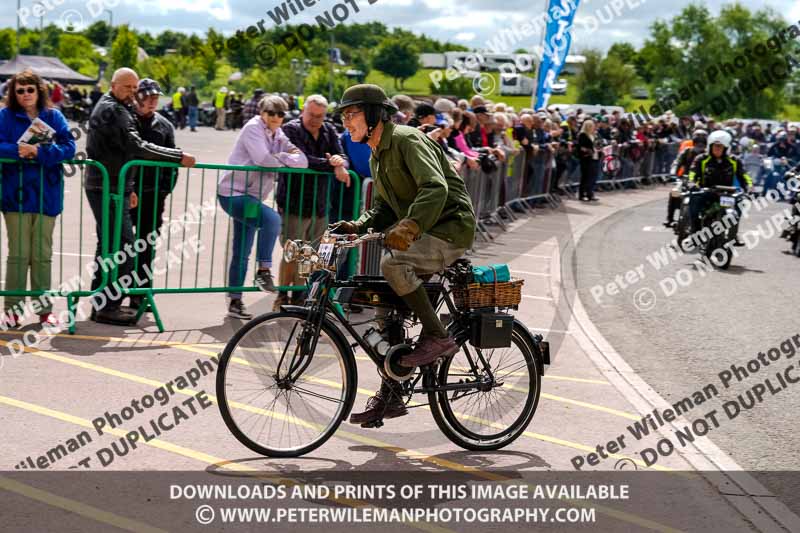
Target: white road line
[(545, 298), (534, 255), (529, 273), (545, 330), (702, 455), (73, 255)]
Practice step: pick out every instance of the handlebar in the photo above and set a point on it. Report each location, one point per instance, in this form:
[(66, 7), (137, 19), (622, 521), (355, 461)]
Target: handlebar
[(311, 259), (352, 240)]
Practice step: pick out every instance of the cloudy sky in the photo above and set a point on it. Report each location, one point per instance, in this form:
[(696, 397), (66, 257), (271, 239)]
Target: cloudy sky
[(472, 23)]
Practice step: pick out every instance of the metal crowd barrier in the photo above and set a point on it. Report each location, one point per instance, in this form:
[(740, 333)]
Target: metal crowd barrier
[(372, 251), (72, 277), (192, 207), (514, 177), (633, 172), (538, 175), (514, 186)]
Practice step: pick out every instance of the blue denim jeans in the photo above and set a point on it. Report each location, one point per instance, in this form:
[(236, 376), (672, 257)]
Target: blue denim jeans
[(249, 215), (193, 117)]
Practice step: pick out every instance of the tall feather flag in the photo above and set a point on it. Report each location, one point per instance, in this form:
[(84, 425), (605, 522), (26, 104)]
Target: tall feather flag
[(557, 40)]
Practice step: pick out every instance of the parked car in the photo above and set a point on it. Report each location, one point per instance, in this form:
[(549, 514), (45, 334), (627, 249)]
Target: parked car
[(516, 84), (559, 87)]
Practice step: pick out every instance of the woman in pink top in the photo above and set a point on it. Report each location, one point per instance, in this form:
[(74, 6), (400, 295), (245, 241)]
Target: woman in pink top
[(241, 194), (459, 141)]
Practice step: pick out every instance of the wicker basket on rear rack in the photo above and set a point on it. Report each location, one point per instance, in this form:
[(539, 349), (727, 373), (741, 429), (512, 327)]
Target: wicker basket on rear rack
[(483, 295)]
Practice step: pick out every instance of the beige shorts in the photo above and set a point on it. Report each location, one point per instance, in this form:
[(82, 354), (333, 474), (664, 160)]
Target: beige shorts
[(428, 255)]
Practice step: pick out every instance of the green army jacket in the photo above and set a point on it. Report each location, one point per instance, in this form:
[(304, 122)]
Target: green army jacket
[(414, 179)]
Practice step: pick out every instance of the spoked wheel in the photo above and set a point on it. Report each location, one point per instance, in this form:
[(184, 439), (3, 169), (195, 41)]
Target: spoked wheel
[(277, 399), (493, 416)]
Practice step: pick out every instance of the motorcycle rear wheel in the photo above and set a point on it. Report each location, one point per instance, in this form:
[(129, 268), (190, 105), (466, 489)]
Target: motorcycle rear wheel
[(719, 253)]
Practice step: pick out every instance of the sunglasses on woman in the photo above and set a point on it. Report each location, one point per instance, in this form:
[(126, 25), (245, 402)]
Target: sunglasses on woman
[(276, 113), (23, 90)]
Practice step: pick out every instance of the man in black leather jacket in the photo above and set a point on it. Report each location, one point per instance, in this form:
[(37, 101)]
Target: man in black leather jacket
[(113, 140), (151, 185)]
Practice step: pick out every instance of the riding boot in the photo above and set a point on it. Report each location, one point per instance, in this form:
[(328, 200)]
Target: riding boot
[(386, 403)]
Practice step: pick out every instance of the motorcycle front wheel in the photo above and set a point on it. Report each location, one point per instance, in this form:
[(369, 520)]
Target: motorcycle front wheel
[(275, 397)]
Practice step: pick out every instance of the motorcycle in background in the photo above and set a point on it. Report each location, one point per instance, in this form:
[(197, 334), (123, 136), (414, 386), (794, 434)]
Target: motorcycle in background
[(712, 243), (774, 171), (168, 112), (792, 231)]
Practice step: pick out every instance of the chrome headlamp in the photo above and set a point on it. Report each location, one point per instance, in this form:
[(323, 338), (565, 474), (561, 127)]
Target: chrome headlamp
[(291, 251)]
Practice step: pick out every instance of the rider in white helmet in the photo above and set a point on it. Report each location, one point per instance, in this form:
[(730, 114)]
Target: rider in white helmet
[(716, 167)]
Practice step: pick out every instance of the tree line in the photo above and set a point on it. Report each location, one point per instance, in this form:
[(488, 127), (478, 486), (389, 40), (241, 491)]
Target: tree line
[(207, 61), (681, 52)]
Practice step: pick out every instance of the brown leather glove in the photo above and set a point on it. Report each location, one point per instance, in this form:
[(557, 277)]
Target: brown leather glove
[(343, 227), (402, 235)]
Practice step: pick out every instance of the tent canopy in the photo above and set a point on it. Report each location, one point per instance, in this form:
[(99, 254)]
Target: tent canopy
[(49, 68)]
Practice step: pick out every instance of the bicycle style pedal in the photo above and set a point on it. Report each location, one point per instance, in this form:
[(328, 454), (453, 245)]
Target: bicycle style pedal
[(374, 424)]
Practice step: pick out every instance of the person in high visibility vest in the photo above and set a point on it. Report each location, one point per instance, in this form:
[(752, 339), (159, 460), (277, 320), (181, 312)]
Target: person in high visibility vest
[(219, 105), (179, 108), (690, 149)]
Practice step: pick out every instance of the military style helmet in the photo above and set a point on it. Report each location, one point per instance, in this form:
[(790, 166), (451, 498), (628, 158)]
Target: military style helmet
[(366, 94), (373, 101)]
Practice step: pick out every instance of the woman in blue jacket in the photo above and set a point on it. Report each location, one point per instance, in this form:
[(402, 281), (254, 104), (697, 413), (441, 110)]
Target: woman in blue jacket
[(32, 190)]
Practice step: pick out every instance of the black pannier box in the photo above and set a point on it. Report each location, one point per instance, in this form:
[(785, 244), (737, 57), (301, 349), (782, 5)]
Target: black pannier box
[(491, 330)]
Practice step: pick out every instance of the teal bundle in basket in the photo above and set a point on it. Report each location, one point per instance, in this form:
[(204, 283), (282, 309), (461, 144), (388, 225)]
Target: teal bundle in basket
[(491, 274)]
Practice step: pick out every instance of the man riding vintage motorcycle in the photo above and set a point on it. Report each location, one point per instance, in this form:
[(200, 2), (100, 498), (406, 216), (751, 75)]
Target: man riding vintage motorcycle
[(425, 206)]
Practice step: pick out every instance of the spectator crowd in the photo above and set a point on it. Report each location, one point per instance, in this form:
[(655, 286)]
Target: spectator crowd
[(278, 131)]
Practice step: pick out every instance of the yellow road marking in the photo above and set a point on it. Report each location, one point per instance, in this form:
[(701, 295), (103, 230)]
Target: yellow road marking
[(179, 450), (399, 451), (197, 348), (76, 507), (592, 406), (364, 392)]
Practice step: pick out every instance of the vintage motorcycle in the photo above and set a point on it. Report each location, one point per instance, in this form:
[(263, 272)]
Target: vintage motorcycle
[(287, 380)]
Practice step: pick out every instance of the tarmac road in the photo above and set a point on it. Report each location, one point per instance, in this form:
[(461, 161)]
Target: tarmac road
[(679, 338), (56, 389)]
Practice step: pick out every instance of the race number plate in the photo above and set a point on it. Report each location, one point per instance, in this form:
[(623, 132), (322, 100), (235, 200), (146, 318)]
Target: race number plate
[(325, 253), (727, 201)]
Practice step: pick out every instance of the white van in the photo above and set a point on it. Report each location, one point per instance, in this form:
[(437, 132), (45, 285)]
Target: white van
[(516, 84)]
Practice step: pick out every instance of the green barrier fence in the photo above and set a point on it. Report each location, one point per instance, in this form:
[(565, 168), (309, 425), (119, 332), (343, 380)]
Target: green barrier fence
[(194, 196), (36, 228)]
